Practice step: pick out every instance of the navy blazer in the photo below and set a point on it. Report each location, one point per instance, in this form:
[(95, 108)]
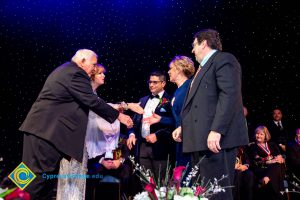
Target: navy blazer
[(60, 113), (215, 103)]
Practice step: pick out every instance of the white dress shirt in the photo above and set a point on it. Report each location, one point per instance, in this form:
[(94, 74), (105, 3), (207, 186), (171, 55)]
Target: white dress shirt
[(148, 111)]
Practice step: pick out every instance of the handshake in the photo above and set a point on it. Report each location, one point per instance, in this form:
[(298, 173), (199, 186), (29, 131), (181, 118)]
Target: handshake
[(125, 119)]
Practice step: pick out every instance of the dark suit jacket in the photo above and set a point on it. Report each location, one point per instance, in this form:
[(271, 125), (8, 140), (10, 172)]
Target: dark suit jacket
[(215, 103), (279, 136), (293, 157), (164, 144), (60, 113)]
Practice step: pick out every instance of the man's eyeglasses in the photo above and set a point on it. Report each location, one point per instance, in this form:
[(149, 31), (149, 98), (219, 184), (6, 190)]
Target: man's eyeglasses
[(154, 82)]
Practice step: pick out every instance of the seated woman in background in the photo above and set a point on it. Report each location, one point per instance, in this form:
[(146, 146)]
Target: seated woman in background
[(267, 163)]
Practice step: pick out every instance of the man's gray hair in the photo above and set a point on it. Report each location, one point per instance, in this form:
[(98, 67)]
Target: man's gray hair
[(83, 54)]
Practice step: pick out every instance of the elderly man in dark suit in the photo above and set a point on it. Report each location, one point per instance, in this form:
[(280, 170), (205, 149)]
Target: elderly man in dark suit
[(154, 141), (213, 123), (56, 124)]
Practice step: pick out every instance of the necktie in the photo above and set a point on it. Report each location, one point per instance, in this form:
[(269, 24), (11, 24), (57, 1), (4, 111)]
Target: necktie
[(279, 125), (198, 70), (154, 96)]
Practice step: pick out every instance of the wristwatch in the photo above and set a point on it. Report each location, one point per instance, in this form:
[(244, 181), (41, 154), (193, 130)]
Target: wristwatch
[(122, 160), (124, 105)]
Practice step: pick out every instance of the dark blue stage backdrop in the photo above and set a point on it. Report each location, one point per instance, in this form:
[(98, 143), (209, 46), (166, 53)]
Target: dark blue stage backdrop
[(134, 37)]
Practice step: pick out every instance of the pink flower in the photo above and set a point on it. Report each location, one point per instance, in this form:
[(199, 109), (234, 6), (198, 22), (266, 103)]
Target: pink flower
[(163, 101), (18, 194), (151, 189), (199, 190), (177, 173), (152, 182)]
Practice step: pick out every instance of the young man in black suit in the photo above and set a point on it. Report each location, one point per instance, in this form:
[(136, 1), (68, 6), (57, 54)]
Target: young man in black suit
[(154, 142), (279, 130), (213, 123), (56, 124)]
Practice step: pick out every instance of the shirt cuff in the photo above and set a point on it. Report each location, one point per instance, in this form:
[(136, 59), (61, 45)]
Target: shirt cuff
[(131, 134), (100, 161)]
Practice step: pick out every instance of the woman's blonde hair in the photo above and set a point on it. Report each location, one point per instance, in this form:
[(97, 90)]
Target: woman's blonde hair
[(184, 64), (97, 70), (265, 131)]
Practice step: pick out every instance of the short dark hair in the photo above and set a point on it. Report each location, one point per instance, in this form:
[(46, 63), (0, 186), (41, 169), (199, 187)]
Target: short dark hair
[(160, 74), (276, 108), (211, 36)]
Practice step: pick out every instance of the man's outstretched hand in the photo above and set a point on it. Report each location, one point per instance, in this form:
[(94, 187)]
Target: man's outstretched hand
[(126, 120)]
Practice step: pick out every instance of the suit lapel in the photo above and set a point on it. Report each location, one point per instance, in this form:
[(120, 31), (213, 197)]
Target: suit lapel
[(144, 101), (198, 79), (143, 105)]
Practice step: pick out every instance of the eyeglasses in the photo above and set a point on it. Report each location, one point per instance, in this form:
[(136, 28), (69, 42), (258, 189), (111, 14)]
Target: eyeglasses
[(154, 82)]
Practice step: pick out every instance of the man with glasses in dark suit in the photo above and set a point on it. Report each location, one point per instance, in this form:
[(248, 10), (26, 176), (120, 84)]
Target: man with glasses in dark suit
[(155, 142)]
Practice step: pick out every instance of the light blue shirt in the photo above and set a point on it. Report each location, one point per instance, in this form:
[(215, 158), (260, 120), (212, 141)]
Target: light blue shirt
[(205, 59)]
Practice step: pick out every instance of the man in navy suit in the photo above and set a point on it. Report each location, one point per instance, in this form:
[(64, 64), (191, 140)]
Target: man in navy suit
[(56, 124), (213, 124), (154, 142)]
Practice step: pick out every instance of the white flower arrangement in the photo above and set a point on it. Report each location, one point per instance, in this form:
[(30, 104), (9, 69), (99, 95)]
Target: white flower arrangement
[(142, 196), (294, 185), (175, 188)]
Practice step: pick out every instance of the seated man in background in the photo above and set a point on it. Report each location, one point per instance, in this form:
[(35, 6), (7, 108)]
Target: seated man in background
[(293, 155), (279, 130)]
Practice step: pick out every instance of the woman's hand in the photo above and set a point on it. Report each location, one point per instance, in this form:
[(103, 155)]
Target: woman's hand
[(135, 107), (242, 167), (176, 134), (116, 164), (131, 141), (279, 159)]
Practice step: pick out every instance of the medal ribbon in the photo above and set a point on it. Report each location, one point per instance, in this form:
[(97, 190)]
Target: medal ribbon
[(265, 149)]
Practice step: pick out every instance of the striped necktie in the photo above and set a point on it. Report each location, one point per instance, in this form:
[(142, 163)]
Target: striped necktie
[(279, 125), (198, 70)]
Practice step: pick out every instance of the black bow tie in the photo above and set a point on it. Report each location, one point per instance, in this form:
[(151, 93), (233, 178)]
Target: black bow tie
[(154, 96)]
